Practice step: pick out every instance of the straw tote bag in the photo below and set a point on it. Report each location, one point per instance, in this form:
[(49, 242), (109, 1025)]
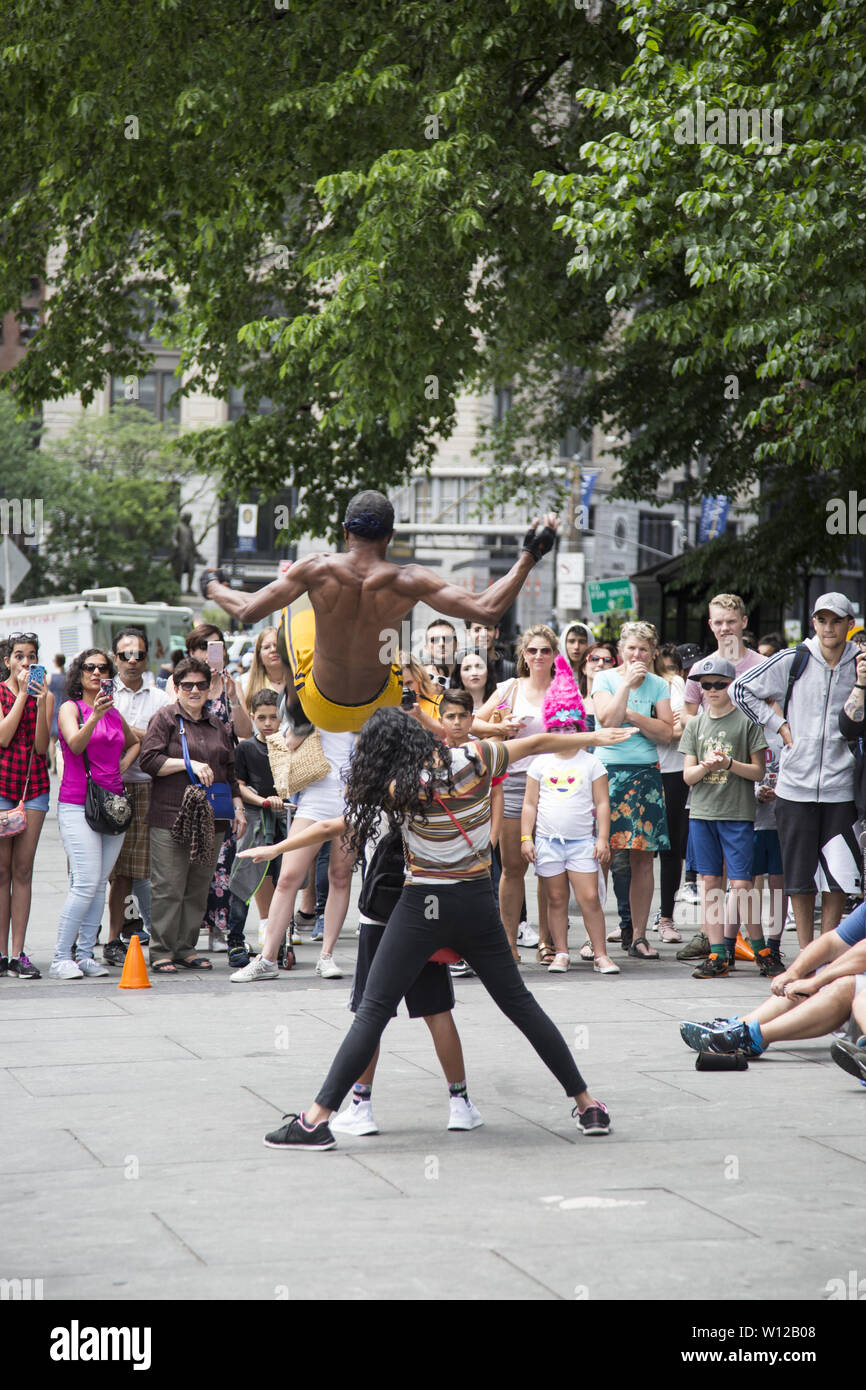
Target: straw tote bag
[(295, 770)]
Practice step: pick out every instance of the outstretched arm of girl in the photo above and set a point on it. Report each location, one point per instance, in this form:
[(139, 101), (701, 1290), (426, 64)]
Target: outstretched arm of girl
[(315, 834)]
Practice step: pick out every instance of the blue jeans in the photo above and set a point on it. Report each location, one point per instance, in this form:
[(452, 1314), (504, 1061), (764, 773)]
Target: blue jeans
[(91, 858)]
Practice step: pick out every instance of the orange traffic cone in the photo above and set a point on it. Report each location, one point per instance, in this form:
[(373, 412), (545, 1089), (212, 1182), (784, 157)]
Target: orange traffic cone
[(743, 950), (134, 969)]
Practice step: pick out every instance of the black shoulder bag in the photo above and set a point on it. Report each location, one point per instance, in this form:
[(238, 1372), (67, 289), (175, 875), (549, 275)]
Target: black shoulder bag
[(108, 813)]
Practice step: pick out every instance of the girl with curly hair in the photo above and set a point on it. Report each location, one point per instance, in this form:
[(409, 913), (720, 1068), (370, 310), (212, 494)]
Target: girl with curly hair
[(440, 799)]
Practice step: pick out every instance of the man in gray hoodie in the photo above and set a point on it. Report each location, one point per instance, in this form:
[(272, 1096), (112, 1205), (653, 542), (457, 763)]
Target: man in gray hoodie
[(815, 810)]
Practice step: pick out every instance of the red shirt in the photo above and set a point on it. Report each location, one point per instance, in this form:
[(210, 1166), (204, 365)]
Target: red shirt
[(14, 759)]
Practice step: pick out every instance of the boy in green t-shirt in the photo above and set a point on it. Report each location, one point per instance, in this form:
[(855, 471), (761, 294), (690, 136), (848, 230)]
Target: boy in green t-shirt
[(723, 759)]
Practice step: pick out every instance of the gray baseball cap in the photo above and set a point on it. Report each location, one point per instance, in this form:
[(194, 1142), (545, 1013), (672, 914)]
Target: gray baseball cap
[(834, 603), (713, 666)]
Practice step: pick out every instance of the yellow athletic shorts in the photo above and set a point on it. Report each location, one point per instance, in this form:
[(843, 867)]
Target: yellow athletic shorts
[(297, 640)]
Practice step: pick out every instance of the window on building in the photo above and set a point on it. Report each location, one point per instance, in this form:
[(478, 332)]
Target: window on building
[(655, 538), (423, 488), (29, 321), (502, 399), (152, 391), (237, 404)]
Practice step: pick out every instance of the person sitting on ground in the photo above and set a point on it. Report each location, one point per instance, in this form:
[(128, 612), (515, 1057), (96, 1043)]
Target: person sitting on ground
[(823, 990), (565, 826), (343, 667)]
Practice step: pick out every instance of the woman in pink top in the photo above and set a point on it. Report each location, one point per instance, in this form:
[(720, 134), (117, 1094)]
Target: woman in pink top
[(88, 722)]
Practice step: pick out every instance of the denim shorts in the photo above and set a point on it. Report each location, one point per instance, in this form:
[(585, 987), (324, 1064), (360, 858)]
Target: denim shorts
[(714, 843), (34, 803), (768, 853)]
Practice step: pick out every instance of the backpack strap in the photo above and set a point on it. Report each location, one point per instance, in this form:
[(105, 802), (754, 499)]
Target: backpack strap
[(798, 666)]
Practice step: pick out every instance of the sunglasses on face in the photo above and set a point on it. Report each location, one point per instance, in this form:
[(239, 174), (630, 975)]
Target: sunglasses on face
[(194, 685), (93, 668), (132, 656), (605, 660), (714, 685), (539, 651)]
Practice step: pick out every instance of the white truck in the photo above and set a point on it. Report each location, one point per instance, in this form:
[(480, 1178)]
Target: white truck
[(73, 622)]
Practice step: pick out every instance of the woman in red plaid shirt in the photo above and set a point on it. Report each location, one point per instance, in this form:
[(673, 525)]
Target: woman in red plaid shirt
[(25, 729)]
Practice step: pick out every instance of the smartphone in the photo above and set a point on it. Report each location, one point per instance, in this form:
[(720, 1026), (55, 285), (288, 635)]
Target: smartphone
[(106, 688), (35, 677), (215, 656)]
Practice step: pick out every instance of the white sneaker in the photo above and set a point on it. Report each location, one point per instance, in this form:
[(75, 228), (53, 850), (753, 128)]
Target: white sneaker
[(328, 968), (65, 970), (790, 924), (656, 920), (258, 969), (462, 1114), (689, 893), (357, 1118), (526, 935), (88, 966)]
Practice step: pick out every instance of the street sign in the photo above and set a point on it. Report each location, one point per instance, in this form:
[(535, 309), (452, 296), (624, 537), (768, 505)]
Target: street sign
[(14, 565), (248, 522), (570, 573), (608, 594)]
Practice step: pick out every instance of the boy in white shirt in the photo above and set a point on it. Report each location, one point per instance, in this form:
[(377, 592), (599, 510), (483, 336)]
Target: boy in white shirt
[(566, 798)]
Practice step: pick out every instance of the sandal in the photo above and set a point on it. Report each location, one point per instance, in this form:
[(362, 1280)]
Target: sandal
[(545, 955), (586, 951), (648, 954), (609, 969), (163, 967), (195, 963)]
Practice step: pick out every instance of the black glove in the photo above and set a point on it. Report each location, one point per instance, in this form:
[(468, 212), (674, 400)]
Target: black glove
[(539, 543), (208, 576)]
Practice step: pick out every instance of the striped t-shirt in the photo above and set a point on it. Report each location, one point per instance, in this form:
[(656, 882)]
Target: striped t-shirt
[(436, 851)]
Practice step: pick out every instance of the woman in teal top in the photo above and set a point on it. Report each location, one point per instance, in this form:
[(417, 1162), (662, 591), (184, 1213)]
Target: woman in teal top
[(632, 695)]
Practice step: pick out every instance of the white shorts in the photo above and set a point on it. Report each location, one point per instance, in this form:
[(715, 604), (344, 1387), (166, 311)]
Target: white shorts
[(554, 857)]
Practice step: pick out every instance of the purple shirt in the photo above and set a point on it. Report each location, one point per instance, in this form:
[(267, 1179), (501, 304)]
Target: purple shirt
[(694, 694), (104, 752)]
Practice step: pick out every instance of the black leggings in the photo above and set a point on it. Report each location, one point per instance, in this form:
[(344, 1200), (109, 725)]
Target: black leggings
[(671, 860), (465, 917)]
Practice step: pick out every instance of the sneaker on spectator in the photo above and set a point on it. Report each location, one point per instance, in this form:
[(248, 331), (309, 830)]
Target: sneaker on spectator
[(614, 933), (328, 968), (689, 893), (88, 966), (318, 931), (295, 933), (357, 1118), (696, 948), (667, 931), (295, 1136), (767, 964), (462, 1114), (23, 967), (114, 952), (851, 1057), (65, 970), (461, 967), (713, 968), (656, 919), (560, 963), (258, 969), (4, 965), (790, 924), (527, 935), (239, 954)]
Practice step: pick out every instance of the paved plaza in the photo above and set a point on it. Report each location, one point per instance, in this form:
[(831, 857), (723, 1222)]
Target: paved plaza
[(133, 1164)]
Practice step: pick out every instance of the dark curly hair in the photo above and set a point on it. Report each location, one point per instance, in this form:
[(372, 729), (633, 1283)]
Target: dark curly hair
[(74, 689), (391, 747)]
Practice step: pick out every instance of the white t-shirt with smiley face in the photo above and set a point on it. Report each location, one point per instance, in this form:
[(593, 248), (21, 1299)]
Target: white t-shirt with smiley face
[(565, 803)]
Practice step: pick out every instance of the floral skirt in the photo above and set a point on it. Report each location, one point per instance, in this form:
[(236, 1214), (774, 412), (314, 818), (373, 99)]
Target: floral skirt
[(219, 899), (638, 819)]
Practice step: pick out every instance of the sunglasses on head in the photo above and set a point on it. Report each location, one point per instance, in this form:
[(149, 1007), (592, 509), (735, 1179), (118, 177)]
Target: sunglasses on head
[(93, 667), (29, 637), (714, 685), (194, 685), (132, 656)]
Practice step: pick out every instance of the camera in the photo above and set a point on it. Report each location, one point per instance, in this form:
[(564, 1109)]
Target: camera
[(408, 699)]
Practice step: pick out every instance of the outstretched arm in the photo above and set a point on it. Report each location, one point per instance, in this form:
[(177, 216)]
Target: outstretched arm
[(419, 584), (281, 592)]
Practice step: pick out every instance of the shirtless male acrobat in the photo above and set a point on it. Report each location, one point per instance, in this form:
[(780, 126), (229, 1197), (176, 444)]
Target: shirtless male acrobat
[(343, 665)]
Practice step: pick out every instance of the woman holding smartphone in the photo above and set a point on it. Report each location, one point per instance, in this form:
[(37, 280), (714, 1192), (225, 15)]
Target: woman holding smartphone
[(89, 724), (27, 710)]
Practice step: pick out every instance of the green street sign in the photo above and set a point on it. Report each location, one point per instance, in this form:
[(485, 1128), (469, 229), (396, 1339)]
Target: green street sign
[(607, 594)]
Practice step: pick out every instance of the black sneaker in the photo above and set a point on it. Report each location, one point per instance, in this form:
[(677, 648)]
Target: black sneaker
[(713, 968), (114, 952), (24, 968), (776, 955), (295, 1136), (850, 1058), (734, 1036), (594, 1120), (626, 936), (767, 966), (4, 965), (239, 955)]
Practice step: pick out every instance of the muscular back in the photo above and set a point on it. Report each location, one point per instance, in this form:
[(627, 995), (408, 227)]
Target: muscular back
[(359, 600)]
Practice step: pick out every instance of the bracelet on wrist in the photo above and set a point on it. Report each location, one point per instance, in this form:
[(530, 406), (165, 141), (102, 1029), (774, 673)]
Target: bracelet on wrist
[(730, 763), (525, 837)]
